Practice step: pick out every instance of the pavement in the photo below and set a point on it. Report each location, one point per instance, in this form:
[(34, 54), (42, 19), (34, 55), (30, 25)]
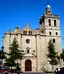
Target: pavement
[(34, 73)]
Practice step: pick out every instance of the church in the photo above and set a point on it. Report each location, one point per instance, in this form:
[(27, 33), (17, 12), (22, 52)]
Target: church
[(34, 43)]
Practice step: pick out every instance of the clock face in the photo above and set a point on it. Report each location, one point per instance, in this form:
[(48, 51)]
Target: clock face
[(27, 41)]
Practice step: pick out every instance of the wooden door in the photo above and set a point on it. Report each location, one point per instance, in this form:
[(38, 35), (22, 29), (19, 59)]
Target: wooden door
[(28, 65)]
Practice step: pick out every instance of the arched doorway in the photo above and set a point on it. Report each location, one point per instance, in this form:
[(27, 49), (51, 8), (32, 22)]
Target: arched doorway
[(28, 65)]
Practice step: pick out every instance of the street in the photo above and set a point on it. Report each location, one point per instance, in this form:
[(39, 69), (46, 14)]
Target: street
[(34, 73)]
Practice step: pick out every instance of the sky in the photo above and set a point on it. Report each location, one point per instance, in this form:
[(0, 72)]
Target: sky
[(17, 12)]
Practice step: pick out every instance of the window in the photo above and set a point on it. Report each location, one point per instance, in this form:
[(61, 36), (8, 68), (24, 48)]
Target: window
[(49, 33), (21, 36), (42, 31), (56, 33), (53, 40), (27, 41), (49, 21), (54, 22), (25, 32), (22, 50), (27, 50), (30, 32), (16, 34)]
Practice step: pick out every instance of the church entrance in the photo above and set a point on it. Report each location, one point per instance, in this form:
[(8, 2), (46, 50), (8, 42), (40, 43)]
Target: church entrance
[(28, 65)]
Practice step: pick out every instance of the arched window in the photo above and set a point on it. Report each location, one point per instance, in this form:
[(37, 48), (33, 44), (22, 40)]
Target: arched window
[(24, 32), (53, 40), (27, 50), (54, 22), (30, 32), (56, 33), (49, 33), (49, 21)]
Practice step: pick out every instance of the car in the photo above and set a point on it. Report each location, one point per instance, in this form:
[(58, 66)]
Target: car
[(5, 70), (59, 70)]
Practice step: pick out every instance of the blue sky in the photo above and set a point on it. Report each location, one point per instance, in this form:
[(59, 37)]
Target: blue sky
[(17, 12)]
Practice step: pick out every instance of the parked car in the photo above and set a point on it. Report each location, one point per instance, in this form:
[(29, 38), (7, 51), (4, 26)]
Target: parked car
[(5, 70), (59, 71)]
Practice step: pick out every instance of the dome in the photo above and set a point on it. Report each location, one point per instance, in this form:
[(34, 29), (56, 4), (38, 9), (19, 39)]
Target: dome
[(48, 6)]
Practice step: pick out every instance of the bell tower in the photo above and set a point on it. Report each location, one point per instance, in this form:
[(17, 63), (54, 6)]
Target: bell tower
[(46, 18), (50, 26), (50, 23)]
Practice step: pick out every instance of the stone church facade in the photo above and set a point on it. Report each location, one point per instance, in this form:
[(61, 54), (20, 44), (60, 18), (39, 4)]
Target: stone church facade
[(34, 43)]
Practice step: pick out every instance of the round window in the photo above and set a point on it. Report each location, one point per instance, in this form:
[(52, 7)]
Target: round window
[(27, 41)]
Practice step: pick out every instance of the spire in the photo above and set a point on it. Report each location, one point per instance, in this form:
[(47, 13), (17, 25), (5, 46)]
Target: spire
[(27, 25)]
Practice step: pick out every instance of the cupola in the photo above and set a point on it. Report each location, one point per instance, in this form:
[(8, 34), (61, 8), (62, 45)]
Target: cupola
[(48, 9)]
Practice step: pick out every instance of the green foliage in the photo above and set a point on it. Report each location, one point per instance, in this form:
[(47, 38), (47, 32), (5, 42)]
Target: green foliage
[(2, 54), (14, 53), (10, 62), (52, 55), (62, 55)]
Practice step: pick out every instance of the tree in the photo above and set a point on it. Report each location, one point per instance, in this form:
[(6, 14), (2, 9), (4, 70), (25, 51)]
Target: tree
[(62, 55), (14, 53), (2, 55), (52, 55)]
